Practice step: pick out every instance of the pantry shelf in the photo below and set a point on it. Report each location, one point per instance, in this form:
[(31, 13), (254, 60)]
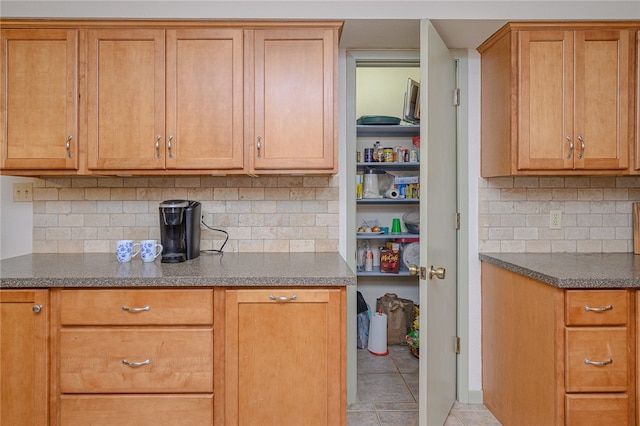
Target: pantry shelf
[(389, 201), (381, 131), (389, 166), (376, 236), (382, 274)]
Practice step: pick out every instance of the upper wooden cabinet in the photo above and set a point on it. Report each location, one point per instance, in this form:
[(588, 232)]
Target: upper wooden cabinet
[(294, 99), (164, 99), (556, 99), (168, 97), (38, 99)]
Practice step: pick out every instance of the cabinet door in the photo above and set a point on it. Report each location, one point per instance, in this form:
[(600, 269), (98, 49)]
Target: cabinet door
[(546, 84), (285, 357), (24, 357), (125, 99), (38, 92), (602, 92), (295, 100), (205, 99), (574, 100)]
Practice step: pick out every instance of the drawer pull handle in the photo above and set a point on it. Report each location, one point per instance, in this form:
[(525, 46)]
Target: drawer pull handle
[(136, 364), (136, 310), (282, 298), (590, 309), (598, 363)]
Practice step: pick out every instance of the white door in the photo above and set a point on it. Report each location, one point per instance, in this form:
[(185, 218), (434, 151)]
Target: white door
[(438, 208)]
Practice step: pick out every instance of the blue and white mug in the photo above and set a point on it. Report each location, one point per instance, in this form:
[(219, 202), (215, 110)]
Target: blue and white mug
[(125, 250), (149, 250)]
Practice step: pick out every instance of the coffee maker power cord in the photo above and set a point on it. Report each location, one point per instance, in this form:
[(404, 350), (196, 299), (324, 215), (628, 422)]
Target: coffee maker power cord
[(218, 230)]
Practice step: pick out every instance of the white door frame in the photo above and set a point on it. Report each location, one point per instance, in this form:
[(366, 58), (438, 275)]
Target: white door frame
[(347, 150)]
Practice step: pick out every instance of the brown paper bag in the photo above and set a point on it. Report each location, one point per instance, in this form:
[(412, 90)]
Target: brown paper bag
[(399, 317)]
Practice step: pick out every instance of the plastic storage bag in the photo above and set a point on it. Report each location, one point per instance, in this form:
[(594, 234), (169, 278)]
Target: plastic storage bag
[(364, 318)]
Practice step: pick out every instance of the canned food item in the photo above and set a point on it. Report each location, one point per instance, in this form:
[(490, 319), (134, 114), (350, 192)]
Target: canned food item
[(388, 155), (368, 155), (413, 156), (381, 154)]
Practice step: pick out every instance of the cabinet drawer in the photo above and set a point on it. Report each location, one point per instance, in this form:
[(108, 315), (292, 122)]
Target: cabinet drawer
[(601, 344), (136, 307), (157, 410), (597, 409), (179, 360), (597, 307)]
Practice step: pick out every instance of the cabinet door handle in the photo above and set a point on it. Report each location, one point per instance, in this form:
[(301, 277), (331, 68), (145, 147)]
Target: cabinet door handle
[(282, 298), (69, 154), (136, 364), (570, 147), (36, 309), (169, 146), (259, 145), (598, 363), (136, 310), (603, 309), (158, 137), (582, 147)]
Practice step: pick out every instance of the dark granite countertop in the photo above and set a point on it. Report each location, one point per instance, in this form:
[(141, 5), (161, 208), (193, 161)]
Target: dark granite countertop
[(229, 269), (573, 270)]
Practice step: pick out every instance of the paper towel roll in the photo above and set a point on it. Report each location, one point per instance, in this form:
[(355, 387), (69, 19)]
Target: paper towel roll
[(378, 334), (391, 193)]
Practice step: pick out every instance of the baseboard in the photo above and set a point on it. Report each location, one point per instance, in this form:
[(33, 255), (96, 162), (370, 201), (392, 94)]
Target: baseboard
[(475, 397)]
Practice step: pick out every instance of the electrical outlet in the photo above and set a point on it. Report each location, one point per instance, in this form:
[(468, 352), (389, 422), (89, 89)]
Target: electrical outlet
[(555, 219), (22, 191)]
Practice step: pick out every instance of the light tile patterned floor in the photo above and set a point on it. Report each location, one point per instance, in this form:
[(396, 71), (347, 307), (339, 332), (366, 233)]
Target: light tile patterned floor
[(388, 394)]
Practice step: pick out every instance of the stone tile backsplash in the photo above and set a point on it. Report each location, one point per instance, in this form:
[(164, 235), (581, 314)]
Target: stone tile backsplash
[(596, 214), (301, 214), (264, 214)]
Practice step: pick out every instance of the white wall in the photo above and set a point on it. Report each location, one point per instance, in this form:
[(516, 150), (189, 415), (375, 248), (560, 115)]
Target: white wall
[(16, 221)]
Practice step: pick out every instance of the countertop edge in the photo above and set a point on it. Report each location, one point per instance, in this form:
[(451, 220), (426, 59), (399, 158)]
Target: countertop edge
[(43, 283), (101, 270), (520, 264)]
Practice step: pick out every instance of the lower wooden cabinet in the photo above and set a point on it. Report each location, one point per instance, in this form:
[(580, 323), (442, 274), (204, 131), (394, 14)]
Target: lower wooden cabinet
[(24, 357), (557, 357), (285, 357), (197, 356), (137, 356)]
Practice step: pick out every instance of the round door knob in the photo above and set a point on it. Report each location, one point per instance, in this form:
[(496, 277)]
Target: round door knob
[(413, 270), (36, 308), (438, 272)]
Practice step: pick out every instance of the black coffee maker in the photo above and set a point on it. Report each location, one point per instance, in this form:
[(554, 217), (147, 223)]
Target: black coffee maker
[(180, 230)]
